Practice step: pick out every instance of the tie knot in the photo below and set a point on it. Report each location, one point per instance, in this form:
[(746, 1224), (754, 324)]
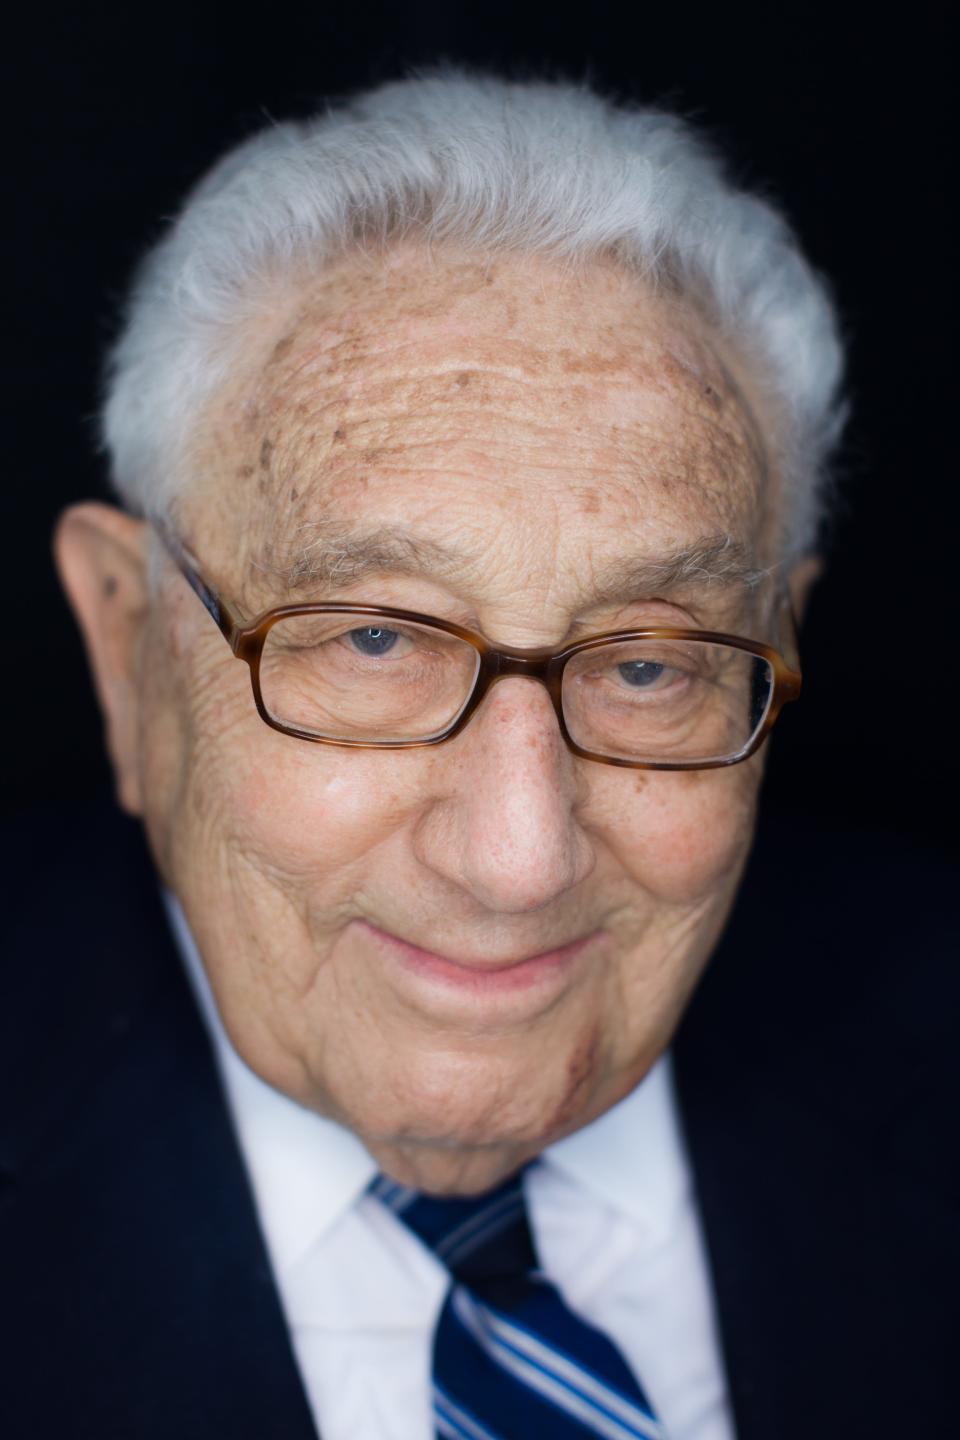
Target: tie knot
[(483, 1237)]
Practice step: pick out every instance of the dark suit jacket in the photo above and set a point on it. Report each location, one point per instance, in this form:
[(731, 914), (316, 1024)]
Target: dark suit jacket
[(817, 1078)]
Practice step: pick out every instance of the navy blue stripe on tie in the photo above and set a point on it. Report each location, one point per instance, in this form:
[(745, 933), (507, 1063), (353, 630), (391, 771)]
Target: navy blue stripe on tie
[(510, 1359)]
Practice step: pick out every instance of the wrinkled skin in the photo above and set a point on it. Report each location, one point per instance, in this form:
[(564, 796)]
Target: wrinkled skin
[(553, 424)]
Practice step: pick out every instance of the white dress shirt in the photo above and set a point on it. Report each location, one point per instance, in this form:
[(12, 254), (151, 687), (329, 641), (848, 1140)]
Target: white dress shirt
[(613, 1216)]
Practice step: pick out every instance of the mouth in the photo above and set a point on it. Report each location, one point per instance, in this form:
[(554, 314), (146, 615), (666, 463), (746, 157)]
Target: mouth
[(484, 974)]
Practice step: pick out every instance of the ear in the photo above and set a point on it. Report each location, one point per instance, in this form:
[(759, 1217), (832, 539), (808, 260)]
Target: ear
[(800, 582), (100, 554)]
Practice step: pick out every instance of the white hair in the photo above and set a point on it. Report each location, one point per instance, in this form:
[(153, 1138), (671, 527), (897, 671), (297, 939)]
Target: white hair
[(484, 163)]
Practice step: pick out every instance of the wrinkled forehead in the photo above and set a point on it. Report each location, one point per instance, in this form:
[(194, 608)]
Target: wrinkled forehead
[(538, 411)]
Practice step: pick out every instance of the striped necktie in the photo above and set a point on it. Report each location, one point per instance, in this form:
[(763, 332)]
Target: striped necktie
[(510, 1360)]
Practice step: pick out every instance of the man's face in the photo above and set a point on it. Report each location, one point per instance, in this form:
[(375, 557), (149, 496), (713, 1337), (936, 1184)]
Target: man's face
[(498, 442)]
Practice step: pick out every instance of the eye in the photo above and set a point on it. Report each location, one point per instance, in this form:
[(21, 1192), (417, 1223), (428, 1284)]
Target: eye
[(373, 640), (640, 673)]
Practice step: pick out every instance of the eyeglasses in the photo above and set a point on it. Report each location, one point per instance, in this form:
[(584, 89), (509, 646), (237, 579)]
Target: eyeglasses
[(373, 676)]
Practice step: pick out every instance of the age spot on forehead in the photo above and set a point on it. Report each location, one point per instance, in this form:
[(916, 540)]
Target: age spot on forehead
[(594, 362), (281, 348)]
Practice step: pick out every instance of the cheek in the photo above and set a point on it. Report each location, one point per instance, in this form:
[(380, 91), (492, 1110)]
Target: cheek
[(684, 835), (312, 810), (303, 816), (220, 785)]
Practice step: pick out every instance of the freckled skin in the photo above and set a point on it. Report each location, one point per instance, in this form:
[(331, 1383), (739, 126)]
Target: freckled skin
[(556, 420)]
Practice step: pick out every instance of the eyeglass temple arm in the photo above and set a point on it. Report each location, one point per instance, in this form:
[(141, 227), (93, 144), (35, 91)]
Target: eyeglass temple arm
[(211, 600), (787, 641)]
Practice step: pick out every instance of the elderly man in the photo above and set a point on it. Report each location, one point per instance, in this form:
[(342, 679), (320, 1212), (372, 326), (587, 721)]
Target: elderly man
[(471, 441)]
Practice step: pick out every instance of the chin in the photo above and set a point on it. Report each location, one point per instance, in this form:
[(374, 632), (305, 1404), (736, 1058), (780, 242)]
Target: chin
[(520, 1100)]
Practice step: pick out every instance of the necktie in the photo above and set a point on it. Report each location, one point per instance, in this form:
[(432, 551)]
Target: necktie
[(511, 1361)]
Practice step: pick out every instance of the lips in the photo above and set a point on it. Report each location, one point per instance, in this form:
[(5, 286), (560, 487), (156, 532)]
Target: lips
[(482, 972)]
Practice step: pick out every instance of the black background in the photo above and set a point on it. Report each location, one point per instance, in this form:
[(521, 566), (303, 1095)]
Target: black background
[(838, 114)]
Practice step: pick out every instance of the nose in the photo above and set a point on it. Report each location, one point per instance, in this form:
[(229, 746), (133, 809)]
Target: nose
[(505, 824)]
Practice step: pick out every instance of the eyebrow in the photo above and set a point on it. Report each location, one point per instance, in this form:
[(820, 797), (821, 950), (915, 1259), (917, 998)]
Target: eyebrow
[(340, 556), (712, 560)]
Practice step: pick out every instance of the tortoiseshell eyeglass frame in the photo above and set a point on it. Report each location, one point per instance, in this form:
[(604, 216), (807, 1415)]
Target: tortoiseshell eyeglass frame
[(246, 639)]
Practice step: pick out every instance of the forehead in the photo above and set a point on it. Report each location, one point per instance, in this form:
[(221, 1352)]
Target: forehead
[(547, 417)]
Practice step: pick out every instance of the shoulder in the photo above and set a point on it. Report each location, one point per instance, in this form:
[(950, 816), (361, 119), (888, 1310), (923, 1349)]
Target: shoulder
[(818, 1082), (837, 931), (86, 950), (834, 994), (119, 1167)]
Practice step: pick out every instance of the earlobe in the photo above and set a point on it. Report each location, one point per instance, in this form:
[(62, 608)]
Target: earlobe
[(100, 555)]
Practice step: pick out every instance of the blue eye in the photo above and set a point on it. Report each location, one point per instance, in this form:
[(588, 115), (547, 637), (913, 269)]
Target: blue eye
[(374, 640), (640, 672)]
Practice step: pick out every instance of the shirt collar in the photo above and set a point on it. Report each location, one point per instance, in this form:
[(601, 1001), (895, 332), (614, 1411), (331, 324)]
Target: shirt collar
[(307, 1171), (632, 1156)]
